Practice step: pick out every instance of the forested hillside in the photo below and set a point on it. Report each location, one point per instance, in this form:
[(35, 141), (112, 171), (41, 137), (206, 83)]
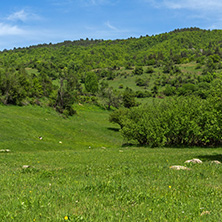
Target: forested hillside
[(113, 73), (79, 121)]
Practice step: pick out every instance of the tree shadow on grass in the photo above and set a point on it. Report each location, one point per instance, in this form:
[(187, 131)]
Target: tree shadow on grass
[(135, 145), (211, 157), (113, 129)]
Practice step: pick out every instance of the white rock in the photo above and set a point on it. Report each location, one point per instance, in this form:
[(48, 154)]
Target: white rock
[(176, 167), (194, 161), (5, 151), (26, 166), (204, 212), (216, 161)]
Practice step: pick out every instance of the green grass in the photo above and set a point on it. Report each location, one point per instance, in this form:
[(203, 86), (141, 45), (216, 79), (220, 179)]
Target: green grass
[(22, 126), (107, 182)]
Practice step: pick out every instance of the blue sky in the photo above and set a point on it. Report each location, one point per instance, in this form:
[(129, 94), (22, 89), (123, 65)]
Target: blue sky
[(29, 22)]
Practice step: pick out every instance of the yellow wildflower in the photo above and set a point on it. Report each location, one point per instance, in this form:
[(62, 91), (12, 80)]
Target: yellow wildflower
[(66, 218)]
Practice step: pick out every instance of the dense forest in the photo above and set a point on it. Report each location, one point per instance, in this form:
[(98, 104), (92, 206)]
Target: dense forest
[(122, 74)]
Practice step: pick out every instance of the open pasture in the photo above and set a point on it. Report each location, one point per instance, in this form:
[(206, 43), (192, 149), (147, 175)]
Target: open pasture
[(80, 171)]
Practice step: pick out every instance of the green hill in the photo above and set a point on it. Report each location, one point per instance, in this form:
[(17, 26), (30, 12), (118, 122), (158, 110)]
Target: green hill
[(62, 160), (184, 44), (57, 74), (21, 128)]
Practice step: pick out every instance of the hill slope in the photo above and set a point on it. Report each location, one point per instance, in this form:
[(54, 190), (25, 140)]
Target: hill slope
[(21, 128), (91, 54), (181, 62)]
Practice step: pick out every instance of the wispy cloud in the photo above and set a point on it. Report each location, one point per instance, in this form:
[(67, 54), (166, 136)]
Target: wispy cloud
[(97, 2), (23, 15), (20, 15), (194, 4), (82, 2), (61, 3), (107, 31), (111, 26), (187, 4), (9, 30)]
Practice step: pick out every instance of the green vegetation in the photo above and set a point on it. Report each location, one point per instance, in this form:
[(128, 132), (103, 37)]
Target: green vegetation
[(186, 121), (83, 116), (90, 177), (182, 62)]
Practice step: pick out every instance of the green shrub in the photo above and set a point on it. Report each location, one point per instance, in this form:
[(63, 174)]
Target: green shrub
[(149, 70), (138, 70), (121, 86), (141, 82), (129, 98), (169, 90), (143, 94), (118, 116), (182, 121)]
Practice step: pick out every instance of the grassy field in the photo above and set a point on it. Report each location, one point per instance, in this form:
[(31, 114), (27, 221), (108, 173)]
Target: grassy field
[(127, 79), (81, 172)]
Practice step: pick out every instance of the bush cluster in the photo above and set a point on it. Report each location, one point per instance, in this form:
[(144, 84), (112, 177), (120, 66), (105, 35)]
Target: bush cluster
[(181, 121)]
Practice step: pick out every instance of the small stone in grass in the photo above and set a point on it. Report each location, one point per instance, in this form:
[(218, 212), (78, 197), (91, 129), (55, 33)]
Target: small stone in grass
[(5, 151), (176, 167), (194, 161), (26, 166), (216, 162), (205, 212)]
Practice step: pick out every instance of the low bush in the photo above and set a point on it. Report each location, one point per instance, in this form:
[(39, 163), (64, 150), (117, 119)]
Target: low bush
[(181, 121)]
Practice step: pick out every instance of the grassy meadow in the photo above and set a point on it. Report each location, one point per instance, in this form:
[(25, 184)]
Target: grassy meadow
[(81, 171), (128, 79)]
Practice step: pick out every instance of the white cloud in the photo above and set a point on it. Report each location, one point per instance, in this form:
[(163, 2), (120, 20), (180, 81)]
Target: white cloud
[(20, 15), (96, 2), (6, 29), (23, 16), (110, 26), (106, 31), (61, 3), (187, 4), (193, 4)]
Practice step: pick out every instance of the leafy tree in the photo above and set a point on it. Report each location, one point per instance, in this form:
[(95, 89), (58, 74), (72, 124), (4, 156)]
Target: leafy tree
[(66, 95), (129, 98), (111, 98), (154, 90), (141, 82), (169, 90), (138, 70), (91, 82), (149, 70)]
